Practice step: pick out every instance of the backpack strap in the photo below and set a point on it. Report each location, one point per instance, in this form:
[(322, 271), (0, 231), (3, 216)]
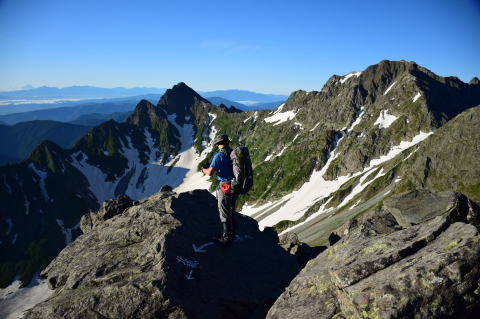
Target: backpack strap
[(226, 150)]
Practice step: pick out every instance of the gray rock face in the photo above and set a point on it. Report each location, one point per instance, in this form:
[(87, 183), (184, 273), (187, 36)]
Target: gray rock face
[(381, 270), (420, 205), (157, 260), (448, 160)]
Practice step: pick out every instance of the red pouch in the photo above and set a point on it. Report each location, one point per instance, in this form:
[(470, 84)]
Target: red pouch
[(225, 188)]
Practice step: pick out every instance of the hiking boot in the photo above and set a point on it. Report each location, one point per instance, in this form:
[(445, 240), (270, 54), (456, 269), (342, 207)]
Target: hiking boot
[(226, 238)]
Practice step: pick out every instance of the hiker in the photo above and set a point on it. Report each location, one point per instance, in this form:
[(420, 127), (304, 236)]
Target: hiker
[(222, 166)]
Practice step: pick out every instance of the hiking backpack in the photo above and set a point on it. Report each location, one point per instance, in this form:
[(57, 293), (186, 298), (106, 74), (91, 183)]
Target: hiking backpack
[(242, 170)]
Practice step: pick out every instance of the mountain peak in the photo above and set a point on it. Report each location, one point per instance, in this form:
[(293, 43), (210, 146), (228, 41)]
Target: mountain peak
[(47, 154), (180, 100), (474, 81), (145, 114), (180, 89), (180, 84)]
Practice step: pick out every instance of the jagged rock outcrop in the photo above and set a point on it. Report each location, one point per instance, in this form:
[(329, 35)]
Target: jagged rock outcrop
[(300, 250), (381, 270), (109, 209), (157, 260)]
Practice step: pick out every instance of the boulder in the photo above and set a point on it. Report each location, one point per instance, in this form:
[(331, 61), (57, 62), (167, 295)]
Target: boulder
[(381, 270), (157, 259), (418, 206)]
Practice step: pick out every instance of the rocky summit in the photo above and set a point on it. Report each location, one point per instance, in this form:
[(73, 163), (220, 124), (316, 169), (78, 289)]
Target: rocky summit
[(156, 259), (380, 269)]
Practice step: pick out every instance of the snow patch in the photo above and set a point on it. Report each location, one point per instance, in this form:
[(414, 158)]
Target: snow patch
[(357, 121), (99, 186), (14, 301), (395, 150), (6, 184), (356, 204), (416, 97), (249, 210), (389, 88), (42, 175), (195, 179), (411, 153), (349, 75), (311, 130), (253, 117), (360, 187), (384, 120), (281, 117), (296, 136), (67, 232)]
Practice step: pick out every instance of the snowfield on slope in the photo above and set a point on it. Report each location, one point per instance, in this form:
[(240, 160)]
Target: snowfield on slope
[(279, 117), (294, 205), (15, 300), (142, 180), (349, 75)]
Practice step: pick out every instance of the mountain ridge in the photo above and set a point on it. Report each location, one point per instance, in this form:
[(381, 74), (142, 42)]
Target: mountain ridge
[(289, 146), (20, 139)]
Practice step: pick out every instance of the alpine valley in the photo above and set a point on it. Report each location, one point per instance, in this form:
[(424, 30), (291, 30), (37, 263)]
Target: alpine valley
[(364, 205)]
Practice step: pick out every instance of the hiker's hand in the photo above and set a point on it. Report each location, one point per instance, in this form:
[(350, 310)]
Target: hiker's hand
[(208, 171)]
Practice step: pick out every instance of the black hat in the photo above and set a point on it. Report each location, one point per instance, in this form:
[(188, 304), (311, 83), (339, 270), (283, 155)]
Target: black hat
[(221, 138)]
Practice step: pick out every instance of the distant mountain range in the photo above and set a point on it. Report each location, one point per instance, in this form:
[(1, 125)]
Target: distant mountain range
[(245, 96), (48, 92), (18, 141), (72, 113), (250, 107), (95, 119), (50, 95)]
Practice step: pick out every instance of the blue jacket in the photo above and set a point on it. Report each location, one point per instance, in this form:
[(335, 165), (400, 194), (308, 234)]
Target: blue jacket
[(223, 166)]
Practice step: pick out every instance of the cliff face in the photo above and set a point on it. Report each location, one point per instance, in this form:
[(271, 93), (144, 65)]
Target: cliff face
[(156, 259)]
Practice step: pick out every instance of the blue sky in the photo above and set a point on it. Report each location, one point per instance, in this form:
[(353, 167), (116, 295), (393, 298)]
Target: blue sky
[(265, 46)]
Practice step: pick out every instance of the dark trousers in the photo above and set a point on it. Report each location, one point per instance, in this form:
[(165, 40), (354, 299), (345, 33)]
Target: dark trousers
[(226, 205)]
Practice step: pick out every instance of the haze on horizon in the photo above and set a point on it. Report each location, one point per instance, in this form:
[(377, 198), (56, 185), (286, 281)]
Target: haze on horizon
[(271, 47)]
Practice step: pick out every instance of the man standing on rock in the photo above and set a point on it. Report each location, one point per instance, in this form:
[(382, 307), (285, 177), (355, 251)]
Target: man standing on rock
[(222, 166)]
